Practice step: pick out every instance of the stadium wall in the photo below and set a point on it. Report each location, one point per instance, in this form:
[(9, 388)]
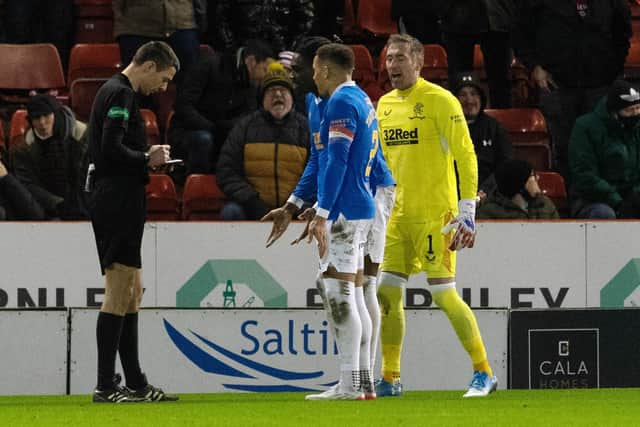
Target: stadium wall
[(219, 350), (515, 265)]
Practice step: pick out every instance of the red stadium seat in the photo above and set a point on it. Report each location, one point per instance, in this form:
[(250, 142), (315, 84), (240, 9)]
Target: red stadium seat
[(632, 63), (163, 102), (150, 127), (520, 86), (3, 143), (93, 21), (162, 199), (635, 29), (202, 199), (349, 25), (82, 93), (364, 74), (435, 64), (552, 185), (167, 125), (524, 125), (93, 61), (374, 16), (31, 66), (17, 129), (538, 155), (433, 70), (634, 6)]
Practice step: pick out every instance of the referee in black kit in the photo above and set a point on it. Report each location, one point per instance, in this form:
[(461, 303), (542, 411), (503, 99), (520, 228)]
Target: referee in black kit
[(116, 179)]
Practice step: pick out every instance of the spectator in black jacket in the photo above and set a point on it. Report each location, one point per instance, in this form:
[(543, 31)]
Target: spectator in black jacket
[(278, 22), (16, 203), (51, 161), (574, 51), (490, 140), (487, 22), (217, 90)]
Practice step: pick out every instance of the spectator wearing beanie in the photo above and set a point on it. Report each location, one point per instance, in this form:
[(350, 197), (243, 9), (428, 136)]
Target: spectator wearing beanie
[(265, 153), (604, 157), (50, 162), (490, 140), (518, 195)]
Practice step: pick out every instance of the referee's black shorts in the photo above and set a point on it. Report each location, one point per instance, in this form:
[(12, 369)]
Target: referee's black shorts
[(118, 210)]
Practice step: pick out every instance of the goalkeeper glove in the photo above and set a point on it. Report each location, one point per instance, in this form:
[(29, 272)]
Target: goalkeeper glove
[(464, 226)]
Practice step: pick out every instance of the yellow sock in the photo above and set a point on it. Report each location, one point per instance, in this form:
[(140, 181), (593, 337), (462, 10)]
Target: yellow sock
[(464, 323), (392, 328)]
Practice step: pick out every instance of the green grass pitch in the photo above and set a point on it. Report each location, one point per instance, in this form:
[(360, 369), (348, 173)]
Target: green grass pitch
[(593, 407)]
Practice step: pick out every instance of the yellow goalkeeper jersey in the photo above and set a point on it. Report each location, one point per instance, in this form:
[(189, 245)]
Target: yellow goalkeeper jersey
[(422, 131)]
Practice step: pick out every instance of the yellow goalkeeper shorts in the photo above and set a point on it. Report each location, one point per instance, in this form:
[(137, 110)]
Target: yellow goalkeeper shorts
[(413, 248)]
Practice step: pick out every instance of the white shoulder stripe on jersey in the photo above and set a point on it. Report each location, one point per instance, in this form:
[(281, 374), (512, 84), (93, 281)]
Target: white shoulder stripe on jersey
[(340, 135)]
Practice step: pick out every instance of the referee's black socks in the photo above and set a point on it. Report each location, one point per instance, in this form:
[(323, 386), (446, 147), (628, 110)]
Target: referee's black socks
[(108, 332), (128, 350)]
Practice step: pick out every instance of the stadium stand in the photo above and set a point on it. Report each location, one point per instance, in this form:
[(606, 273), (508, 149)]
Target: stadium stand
[(364, 74), (151, 126), (632, 63), (349, 25), (202, 199), (524, 125), (93, 21), (93, 61), (82, 93), (162, 199), (3, 143), (527, 130), (17, 129), (165, 128), (29, 67), (552, 184), (374, 17)]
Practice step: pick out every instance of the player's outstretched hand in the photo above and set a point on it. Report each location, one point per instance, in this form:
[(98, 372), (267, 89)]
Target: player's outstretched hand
[(464, 226), (307, 216), (317, 229), (281, 218)]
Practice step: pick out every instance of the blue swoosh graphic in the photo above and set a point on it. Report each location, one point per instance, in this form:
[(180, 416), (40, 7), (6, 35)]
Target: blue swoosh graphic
[(266, 388), (202, 359), (274, 372)]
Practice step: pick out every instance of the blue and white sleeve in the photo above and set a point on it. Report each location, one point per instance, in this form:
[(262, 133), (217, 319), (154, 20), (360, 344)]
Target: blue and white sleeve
[(307, 187), (342, 122)]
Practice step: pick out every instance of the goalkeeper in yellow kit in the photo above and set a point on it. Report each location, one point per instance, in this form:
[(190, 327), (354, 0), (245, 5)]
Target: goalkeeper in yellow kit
[(423, 130)]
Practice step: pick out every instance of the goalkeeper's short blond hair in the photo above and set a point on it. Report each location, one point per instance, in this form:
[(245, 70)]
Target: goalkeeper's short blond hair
[(415, 46)]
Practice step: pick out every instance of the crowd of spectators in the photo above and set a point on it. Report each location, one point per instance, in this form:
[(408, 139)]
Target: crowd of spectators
[(220, 95)]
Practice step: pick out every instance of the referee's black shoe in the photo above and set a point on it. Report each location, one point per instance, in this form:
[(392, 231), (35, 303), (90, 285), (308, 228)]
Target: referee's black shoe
[(114, 394), (150, 393)]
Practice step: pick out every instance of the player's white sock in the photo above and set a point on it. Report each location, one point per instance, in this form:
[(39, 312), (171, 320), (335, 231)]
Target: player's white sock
[(369, 287), (365, 341), (344, 313)]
